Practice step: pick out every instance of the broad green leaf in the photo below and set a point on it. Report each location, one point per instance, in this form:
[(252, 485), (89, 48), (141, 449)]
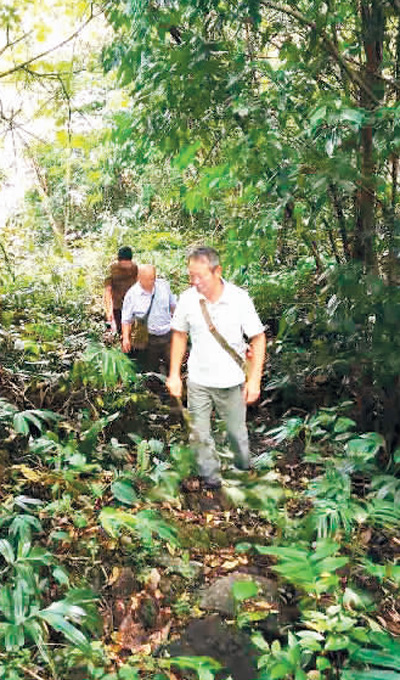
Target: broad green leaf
[(318, 116), (7, 551), (243, 590), (124, 492), (378, 658), (344, 425), (60, 624), (336, 642)]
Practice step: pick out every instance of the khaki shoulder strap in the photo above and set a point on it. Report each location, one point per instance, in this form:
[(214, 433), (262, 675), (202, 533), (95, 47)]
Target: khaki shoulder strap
[(220, 338)]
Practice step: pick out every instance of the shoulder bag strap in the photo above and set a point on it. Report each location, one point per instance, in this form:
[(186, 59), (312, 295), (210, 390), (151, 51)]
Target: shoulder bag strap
[(144, 318), (220, 338)]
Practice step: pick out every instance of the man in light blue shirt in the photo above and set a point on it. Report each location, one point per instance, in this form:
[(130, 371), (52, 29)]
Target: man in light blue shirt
[(149, 290)]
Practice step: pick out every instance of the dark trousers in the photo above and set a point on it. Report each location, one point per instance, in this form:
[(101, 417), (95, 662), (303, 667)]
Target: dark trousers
[(117, 318), (156, 356)]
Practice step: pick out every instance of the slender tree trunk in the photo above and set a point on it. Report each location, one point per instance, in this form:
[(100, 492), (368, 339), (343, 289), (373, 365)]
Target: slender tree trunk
[(44, 195), (7, 261), (341, 221), (288, 222), (373, 24), (318, 263), (392, 265), (332, 241)]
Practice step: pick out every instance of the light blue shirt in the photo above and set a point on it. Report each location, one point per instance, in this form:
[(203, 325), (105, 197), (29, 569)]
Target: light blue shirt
[(137, 302)]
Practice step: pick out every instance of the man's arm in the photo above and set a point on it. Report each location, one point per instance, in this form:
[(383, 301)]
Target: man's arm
[(127, 316), (126, 337), (256, 365), (178, 349), (172, 302), (108, 303)]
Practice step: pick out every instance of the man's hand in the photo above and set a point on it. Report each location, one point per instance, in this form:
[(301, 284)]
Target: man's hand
[(174, 386), (256, 355), (178, 348), (251, 392), (126, 337), (126, 345)]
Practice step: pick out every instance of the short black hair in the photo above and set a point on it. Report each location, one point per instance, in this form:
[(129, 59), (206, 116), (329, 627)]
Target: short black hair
[(125, 253), (205, 252)]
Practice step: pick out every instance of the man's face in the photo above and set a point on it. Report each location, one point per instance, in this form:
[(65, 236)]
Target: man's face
[(205, 279)]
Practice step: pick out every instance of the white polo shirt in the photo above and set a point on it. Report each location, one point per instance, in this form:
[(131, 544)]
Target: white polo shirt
[(233, 315)]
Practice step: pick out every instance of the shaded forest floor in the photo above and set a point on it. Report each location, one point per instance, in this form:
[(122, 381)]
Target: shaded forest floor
[(170, 586)]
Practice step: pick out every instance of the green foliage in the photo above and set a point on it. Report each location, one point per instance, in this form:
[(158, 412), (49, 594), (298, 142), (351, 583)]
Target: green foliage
[(204, 667), (243, 125), (24, 422), (277, 662), (102, 366), (243, 590), (382, 572), (313, 571), (335, 508), (123, 491), (381, 656), (25, 622), (146, 525), (337, 642)]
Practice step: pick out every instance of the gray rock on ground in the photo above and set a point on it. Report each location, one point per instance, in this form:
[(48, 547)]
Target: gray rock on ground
[(218, 597)]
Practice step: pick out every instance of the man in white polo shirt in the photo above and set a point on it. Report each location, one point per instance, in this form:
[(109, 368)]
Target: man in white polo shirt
[(216, 378)]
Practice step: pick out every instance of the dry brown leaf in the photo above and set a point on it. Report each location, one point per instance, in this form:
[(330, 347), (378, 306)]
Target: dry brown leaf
[(29, 473), (153, 579), (262, 605), (130, 635), (142, 649), (116, 571), (214, 562), (160, 635), (135, 601), (230, 564)]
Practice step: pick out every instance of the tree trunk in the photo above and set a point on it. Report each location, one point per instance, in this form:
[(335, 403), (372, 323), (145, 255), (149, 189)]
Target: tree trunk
[(288, 225), (393, 226), (373, 24), (341, 221)]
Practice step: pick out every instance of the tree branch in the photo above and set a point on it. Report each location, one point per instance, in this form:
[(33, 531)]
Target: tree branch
[(51, 75), (396, 5), (327, 42), (51, 49), (14, 42), (7, 261)]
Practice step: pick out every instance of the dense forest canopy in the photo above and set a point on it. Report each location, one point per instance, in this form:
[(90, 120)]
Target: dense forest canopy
[(270, 130)]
